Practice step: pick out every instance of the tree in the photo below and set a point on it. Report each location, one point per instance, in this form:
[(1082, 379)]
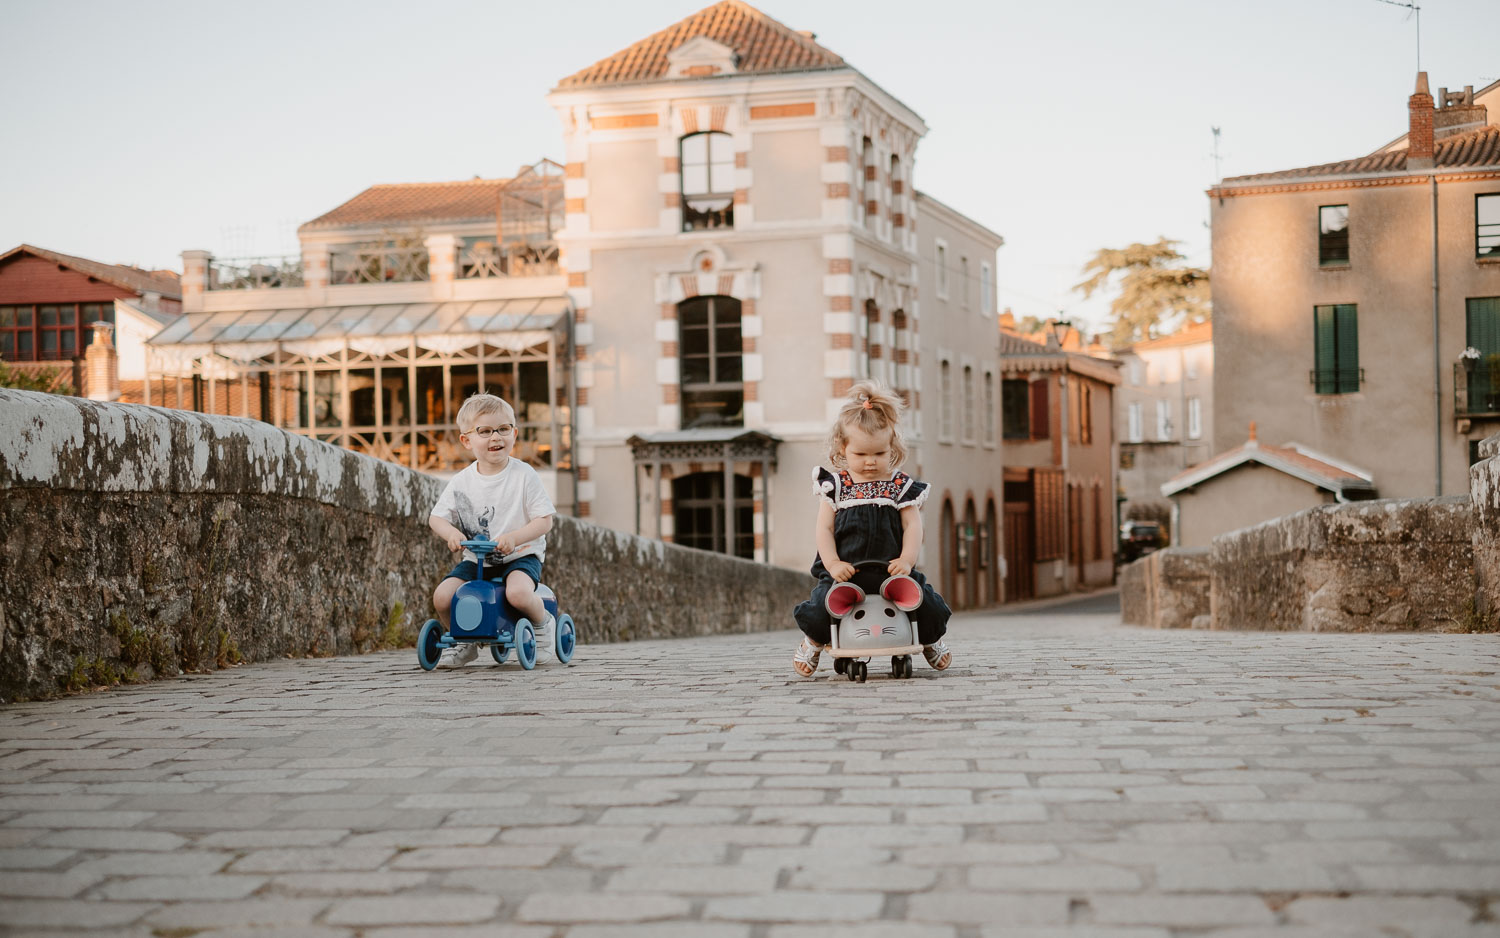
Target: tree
[(46, 379), (1154, 286)]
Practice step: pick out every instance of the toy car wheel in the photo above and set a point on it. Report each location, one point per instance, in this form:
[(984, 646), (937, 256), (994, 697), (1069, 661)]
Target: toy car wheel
[(896, 666), (525, 645), (500, 651), (861, 671), (840, 665), (567, 638), (427, 644), (906, 665)]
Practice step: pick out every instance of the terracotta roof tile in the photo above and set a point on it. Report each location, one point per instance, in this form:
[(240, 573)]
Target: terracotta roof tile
[(763, 45), (469, 200), (165, 282), (1191, 334), (1479, 147)]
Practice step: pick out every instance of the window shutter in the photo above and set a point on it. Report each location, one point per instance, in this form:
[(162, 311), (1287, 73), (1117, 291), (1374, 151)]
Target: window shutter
[(1323, 350), (1483, 315), (1346, 328), (1040, 424)]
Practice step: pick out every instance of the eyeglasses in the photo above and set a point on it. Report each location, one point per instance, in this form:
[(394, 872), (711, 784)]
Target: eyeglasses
[(484, 433)]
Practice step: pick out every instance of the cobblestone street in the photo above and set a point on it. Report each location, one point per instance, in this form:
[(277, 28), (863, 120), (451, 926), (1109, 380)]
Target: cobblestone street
[(1069, 777)]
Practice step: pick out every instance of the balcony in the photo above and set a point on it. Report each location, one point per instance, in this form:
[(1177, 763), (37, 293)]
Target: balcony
[(253, 273), (399, 261), (1476, 390)]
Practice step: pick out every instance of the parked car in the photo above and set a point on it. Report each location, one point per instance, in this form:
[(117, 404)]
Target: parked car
[(1139, 538)]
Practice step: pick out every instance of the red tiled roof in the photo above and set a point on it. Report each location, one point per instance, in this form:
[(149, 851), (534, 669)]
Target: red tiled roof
[(1479, 147), (469, 200), (763, 45), (1288, 459), (1191, 334), (165, 282)]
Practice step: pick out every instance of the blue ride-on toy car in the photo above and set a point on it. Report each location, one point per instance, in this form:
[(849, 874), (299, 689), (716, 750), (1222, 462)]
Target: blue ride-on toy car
[(480, 614)]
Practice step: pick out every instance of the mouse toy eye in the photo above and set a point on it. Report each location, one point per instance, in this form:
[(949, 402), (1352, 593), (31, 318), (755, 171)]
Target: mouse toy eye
[(890, 612), (860, 614)]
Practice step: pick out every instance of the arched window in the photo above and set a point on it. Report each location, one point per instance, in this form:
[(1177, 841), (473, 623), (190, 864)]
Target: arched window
[(712, 362), (707, 162), (989, 407), (698, 518)]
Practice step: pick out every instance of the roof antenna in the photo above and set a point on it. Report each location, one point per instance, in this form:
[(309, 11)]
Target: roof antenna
[(1417, 10), (1217, 176)]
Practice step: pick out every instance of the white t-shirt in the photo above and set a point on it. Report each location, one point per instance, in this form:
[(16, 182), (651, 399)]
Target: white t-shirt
[(486, 507)]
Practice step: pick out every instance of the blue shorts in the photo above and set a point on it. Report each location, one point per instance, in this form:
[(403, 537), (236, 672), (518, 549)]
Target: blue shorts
[(531, 565)]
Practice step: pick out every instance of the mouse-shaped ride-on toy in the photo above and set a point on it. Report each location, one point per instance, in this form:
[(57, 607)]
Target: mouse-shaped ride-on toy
[(480, 614), (871, 625)]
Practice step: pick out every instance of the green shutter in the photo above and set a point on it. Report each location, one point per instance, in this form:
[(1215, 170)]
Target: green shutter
[(1323, 350), (1346, 327), (1484, 324)]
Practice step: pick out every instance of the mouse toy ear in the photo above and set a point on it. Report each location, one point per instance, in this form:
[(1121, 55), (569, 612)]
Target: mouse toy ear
[(903, 591), (842, 598)]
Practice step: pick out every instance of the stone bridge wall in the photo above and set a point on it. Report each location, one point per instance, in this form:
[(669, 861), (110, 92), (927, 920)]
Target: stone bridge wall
[(140, 542), (1378, 566), (1167, 589)]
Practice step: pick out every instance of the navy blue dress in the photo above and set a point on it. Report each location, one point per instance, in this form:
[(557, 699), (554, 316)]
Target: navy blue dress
[(867, 527)]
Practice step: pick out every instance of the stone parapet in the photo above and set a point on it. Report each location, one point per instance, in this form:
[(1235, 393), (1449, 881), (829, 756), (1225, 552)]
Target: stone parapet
[(1484, 491), (1377, 566), (142, 542), (1167, 589)]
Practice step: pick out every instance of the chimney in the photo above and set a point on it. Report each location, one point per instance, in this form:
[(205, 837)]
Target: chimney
[(103, 364), (1419, 147)]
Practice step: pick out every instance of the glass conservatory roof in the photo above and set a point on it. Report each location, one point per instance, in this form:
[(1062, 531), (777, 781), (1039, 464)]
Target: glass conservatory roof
[(524, 314)]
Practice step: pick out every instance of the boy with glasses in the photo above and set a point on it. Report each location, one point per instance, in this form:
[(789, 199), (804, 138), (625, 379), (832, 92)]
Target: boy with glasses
[(498, 498)]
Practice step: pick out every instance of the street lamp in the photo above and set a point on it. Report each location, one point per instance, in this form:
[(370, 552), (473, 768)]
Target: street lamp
[(1060, 329)]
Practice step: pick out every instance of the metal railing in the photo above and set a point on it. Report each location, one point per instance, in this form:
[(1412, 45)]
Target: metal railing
[(253, 273), (485, 259), (389, 264), (1476, 389)]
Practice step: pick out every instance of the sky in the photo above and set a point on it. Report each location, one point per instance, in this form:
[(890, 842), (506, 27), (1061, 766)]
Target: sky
[(136, 130)]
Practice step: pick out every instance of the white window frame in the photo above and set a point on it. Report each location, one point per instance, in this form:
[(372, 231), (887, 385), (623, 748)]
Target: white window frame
[(940, 254), (945, 400), (1195, 418), (1163, 420), (970, 411), (990, 407), (1133, 421), (963, 282), (986, 289)]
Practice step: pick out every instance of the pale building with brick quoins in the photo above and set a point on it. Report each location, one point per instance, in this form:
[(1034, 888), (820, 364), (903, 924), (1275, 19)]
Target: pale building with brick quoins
[(742, 245), (1345, 295)]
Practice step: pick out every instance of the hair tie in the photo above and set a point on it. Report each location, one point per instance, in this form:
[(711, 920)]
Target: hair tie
[(868, 404)]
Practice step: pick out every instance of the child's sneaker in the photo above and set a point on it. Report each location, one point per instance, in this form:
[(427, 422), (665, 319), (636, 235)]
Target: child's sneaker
[(456, 656), (806, 658), (938, 655), (546, 639)]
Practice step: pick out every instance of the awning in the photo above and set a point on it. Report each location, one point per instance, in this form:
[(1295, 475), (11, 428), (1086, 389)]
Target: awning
[(369, 324)]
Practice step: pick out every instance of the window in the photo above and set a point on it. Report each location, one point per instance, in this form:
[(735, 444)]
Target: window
[(1163, 420), (895, 181), (712, 356), (945, 401), (1041, 410), (1487, 224), (963, 282), (989, 408), (1133, 422), (942, 270), (1195, 418), (1085, 412), (698, 513), (707, 161), (1336, 349), (986, 289), (18, 333), (1333, 235), (1482, 331), (57, 332), (968, 414), (1015, 409), (869, 180)]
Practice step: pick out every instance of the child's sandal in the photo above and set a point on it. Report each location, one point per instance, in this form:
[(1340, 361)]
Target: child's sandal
[(938, 655), (806, 658)]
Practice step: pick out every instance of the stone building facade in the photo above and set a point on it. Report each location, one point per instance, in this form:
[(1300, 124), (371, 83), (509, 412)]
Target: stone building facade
[(1346, 294), (743, 243)]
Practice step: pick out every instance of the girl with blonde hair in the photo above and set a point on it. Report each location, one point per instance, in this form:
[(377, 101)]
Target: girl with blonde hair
[(868, 510)]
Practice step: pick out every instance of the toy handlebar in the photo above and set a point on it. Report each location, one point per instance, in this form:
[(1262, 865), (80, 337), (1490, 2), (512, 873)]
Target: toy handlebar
[(480, 546)]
